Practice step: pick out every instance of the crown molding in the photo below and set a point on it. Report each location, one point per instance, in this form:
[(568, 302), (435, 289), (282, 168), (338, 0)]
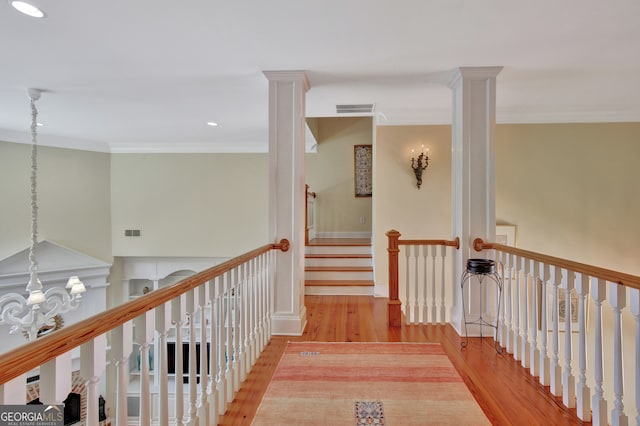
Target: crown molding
[(190, 148), (289, 76), (54, 141)]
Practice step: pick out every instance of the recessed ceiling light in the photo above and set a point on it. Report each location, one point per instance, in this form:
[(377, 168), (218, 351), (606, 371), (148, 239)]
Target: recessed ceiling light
[(212, 123), (27, 9)]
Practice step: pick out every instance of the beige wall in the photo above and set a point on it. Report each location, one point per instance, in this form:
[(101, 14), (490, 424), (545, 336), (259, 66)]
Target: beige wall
[(573, 190), (73, 199), (189, 204), (330, 173), (423, 213)]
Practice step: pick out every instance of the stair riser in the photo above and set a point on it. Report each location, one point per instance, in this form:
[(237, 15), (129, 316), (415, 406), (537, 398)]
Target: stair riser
[(338, 290), (333, 261), (338, 275), (338, 249)]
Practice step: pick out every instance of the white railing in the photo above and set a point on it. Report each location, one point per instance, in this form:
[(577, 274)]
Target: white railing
[(419, 282), (210, 329), (546, 323)]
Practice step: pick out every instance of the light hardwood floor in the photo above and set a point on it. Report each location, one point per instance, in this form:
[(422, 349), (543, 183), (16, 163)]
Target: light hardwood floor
[(505, 391)]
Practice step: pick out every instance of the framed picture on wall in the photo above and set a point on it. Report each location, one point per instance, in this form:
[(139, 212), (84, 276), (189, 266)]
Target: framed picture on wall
[(363, 163), (506, 235), (563, 308)]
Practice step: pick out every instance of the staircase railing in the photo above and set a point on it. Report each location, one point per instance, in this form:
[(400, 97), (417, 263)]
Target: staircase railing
[(225, 309), (424, 283), (545, 324), (309, 215)]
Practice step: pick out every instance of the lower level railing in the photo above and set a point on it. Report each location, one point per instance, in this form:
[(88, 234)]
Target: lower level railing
[(425, 280), (207, 331), (559, 322), (575, 327)]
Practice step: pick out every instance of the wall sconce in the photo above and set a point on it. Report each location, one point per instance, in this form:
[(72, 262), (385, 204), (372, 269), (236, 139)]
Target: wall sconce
[(419, 164)]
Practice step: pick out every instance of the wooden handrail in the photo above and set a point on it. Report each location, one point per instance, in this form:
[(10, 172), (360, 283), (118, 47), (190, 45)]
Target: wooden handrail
[(395, 305), (449, 243), (313, 194), (34, 354), (620, 278)]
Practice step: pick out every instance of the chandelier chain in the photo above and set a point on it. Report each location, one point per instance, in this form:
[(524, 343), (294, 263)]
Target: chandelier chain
[(33, 268)]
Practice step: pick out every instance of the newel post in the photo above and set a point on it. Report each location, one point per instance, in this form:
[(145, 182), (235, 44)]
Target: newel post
[(394, 307)]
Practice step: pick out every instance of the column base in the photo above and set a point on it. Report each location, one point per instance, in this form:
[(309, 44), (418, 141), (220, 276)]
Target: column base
[(288, 324)]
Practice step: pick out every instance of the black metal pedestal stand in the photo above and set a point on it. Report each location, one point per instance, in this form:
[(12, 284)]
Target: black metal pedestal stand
[(481, 268)]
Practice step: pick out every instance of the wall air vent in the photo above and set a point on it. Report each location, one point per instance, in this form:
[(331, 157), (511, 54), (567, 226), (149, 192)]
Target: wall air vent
[(354, 109)]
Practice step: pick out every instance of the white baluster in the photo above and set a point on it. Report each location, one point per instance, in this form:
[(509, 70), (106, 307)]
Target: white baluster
[(243, 336), (508, 301), (269, 271), (425, 287), (443, 309), (598, 403), (416, 306), (143, 329), (535, 351), (121, 348), (568, 379), (556, 370), (634, 295), (503, 330), (236, 331), (517, 344), (526, 346), (545, 365), (407, 282), (251, 294), (93, 362), (203, 401), (13, 392), (178, 310), (163, 324), (269, 289), (617, 297), (192, 304), (220, 346), (583, 403), (212, 383), (228, 339), (256, 307), (260, 293), (55, 379)]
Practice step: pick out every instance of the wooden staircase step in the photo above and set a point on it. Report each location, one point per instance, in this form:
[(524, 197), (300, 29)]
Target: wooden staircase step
[(342, 283), (338, 269), (344, 242), (338, 256)]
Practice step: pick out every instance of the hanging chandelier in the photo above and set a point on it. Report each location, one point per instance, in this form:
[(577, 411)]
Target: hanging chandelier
[(38, 311)]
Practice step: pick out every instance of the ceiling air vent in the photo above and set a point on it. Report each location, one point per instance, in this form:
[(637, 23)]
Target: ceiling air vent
[(354, 109)]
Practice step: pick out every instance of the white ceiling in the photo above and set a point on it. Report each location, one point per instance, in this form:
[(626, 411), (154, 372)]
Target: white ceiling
[(146, 75)]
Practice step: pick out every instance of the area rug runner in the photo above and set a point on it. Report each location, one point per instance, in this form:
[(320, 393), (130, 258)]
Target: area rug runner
[(367, 384)]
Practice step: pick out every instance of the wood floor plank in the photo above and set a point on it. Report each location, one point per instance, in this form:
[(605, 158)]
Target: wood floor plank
[(504, 390)]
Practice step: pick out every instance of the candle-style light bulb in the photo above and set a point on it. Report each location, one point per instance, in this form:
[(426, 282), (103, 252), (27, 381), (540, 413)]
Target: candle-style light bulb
[(412, 153), (422, 149)]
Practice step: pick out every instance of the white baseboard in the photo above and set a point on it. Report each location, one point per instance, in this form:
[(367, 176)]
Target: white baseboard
[(289, 324), (343, 234)]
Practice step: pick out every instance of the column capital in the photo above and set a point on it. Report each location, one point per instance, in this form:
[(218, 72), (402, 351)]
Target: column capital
[(472, 73), (288, 76)]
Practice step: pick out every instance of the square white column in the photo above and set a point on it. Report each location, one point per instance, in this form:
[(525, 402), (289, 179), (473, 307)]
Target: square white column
[(473, 169), (287, 91)]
